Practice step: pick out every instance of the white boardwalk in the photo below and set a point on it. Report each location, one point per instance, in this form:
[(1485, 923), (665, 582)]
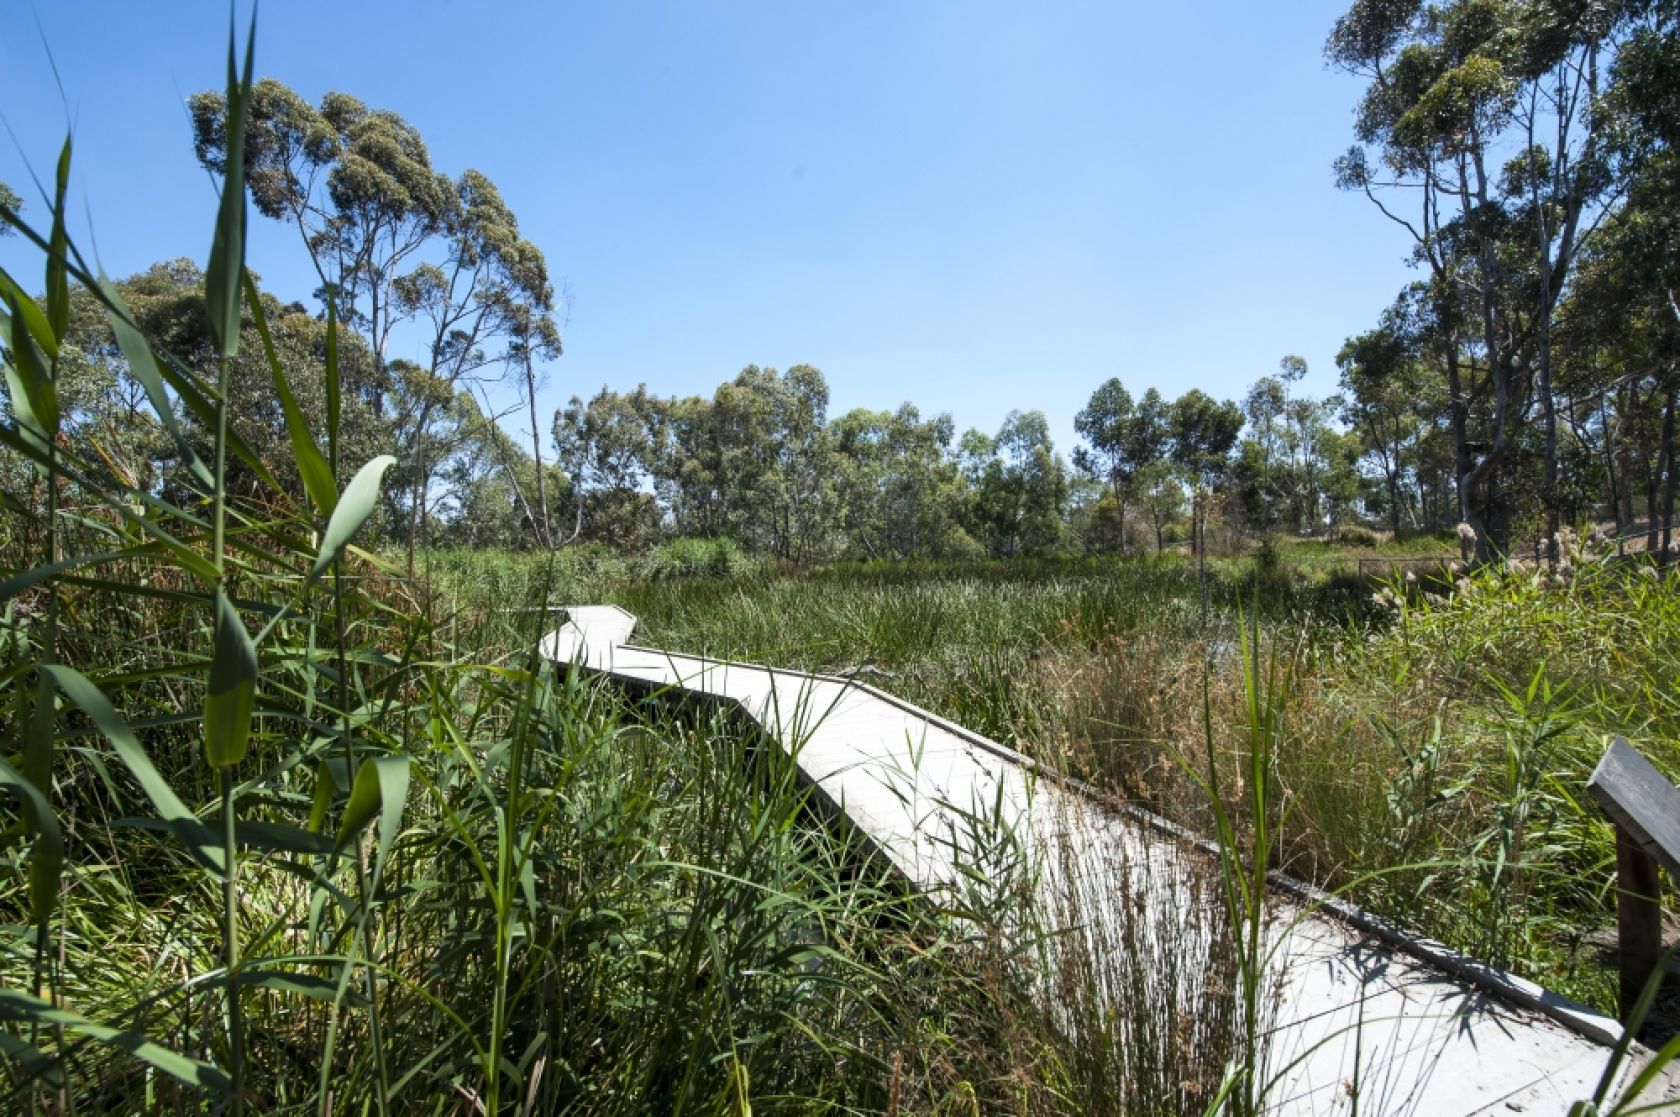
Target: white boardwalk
[(1385, 1017)]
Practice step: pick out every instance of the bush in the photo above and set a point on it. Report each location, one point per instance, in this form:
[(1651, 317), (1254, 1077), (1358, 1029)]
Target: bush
[(1352, 535), (698, 558)]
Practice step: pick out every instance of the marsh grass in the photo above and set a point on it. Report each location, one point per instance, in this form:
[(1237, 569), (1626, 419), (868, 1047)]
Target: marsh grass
[(1441, 735)]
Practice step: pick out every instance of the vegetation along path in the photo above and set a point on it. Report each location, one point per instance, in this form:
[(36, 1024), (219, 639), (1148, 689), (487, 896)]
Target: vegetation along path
[(1344, 1013)]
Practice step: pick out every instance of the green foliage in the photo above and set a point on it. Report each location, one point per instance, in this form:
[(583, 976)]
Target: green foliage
[(9, 203)]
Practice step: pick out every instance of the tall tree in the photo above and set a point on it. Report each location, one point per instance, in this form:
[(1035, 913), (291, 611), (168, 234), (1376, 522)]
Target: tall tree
[(1019, 486), (606, 448), (1123, 438), (392, 239), (486, 304), (1453, 87), (897, 484), (357, 185), (1204, 432), (1390, 403)]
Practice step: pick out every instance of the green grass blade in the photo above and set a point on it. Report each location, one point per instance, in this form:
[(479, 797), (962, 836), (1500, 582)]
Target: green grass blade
[(33, 397), (232, 690), (38, 743), (205, 847), (58, 279), (313, 986), (222, 278), (353, 510), (37, 1062), (312, 466), (34, 319), (21, 1008), (16, 584), (334, 386), (380, 791), (46, 860), (1631, 1093)]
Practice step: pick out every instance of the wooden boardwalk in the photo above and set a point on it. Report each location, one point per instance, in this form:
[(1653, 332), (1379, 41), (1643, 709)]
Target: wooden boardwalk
[(1361, 1008)]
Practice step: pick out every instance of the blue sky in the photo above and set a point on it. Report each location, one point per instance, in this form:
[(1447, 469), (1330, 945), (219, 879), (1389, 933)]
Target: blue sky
[(972, 206)]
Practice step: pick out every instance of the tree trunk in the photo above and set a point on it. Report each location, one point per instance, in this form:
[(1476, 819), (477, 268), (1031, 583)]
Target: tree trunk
[(1653, 532), (1612, 478), (1459, 421), (419, 481), (545, 531), (1394, 502), (415, 497), (1668, 475)]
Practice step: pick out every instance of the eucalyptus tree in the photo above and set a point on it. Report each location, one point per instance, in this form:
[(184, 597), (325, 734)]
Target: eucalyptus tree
[(1643, 106), (535, 337), (806, 501), (1391, 403), (393, 239), (1123, 438), (897, 484), (1483, 114), (1319, 470), (1261, 454), (1161, 493), (1204, 433), (107, 412), (490, 480), (1018, 484), (357, 184), (1622, 376), (686, 462), (486, 305), (605, 446)]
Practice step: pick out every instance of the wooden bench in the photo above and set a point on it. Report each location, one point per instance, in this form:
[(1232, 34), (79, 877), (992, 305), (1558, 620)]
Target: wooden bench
[(1646, 810)]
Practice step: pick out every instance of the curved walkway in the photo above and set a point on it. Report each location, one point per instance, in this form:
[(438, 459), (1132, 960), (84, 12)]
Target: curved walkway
[(1362, 1011)]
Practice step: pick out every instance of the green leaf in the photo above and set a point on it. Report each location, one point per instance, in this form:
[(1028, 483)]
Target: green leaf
[(302, 984), (21, 1008), (381, 789), (16, 584), (38, 740), (227, 250), (34, 1060), (194, 400), (58, 279), (34, 399), (312, 467), (46, 859), (205, 847), (353, 509), (34, 320), (325, 789), (277, 837), (232, 689), (144, 366)]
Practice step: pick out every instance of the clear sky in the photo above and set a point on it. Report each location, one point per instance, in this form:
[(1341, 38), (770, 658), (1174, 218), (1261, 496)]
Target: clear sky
[(972, 206)]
